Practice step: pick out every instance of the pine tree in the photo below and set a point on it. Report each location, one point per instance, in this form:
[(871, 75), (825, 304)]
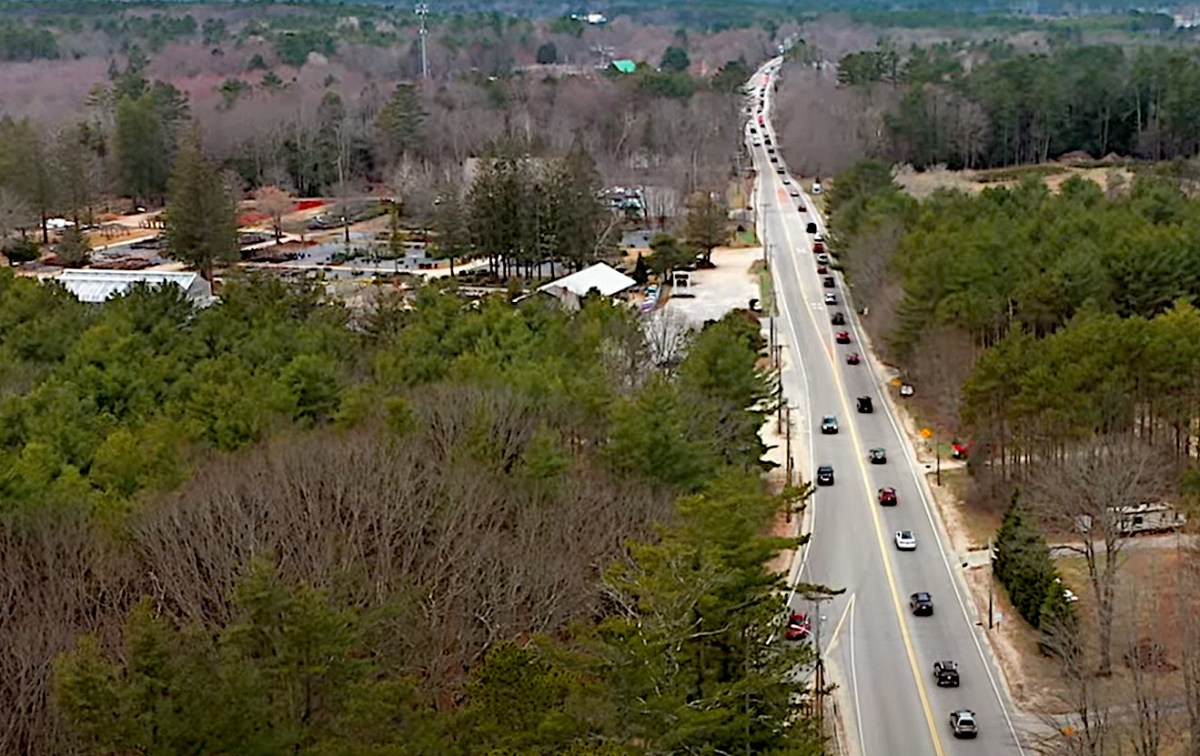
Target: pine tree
[(451, 226), (641, 273), (74, 250), (402, 121), (201, 227), (1021, 562)]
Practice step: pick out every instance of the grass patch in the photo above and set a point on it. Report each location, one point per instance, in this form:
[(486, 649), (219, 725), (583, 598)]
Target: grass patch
[(747, 238), (1018, 174), (766, 287)]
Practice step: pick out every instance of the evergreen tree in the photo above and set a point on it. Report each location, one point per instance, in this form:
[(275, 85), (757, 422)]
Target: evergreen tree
[(451, 225), (402, 121), (641, 273), (74, 249), (201, 227), (1021, 562), (675, 60)]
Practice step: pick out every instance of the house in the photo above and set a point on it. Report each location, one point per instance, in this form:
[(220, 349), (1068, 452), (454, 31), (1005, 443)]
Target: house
[(605, 279), (96, 286), (624, 66)]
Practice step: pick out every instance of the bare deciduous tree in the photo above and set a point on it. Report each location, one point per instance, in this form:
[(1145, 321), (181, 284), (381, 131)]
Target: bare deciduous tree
[(275, 202), (1090, 490), (1087, 729), (662, 204)]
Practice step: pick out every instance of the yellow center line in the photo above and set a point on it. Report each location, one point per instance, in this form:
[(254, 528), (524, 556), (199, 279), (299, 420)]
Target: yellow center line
[(880, 539)]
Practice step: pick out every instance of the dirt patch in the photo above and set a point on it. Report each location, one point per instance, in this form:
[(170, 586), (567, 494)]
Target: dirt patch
[(922, 184)]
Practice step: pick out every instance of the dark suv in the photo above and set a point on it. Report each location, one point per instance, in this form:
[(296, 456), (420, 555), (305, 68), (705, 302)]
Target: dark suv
[(825, 475), (946, 674), (865, 405), (921, 604)]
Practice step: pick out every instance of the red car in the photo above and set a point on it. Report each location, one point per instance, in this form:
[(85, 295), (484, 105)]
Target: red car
[(887, 497), (852, 358), (843, 337), (798, 627), (822, 270), (959, 450), (818, 246)]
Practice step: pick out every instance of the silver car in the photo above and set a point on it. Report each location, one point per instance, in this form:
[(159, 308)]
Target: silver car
[(906, 540)]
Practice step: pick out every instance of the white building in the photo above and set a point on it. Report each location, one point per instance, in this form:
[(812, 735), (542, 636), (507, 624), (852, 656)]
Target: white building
[(602, 278), (98, 286)]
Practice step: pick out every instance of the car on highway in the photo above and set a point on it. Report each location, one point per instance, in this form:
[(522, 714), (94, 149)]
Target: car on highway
[(877, 456), (906, 540), (946, 674), (818, 246), (828, 282), (843, 337), (830, 298), (794, 192), (825, 475), (829, 425), (823, 258), (887, 497), (811, 228), (780, 170), (864, 405), (853, 358), (921, 604), (822, 270), (757, 143), (962, 723), (838, 319), (798, 627)]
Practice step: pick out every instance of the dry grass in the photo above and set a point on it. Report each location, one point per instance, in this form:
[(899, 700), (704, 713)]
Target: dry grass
[(923, 184)]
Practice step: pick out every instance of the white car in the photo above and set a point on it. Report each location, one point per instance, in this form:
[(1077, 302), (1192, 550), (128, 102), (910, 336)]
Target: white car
[(906, 389), (816, 187), (906, 540)]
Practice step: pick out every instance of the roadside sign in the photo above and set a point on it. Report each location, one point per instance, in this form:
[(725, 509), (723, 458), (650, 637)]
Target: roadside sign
[(926, 434)]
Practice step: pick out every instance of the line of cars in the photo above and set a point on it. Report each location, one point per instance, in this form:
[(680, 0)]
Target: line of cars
[(799, 628)]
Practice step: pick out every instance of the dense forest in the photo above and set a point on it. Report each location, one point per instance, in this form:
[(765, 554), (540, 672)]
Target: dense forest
[(1040, 318), (991, 105), (366, 530)]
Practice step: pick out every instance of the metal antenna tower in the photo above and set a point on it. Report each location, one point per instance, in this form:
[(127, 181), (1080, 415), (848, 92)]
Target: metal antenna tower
[(422, 12)]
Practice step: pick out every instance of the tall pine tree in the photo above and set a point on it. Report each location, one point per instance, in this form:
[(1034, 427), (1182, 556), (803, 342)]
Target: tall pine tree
[(201, 227)]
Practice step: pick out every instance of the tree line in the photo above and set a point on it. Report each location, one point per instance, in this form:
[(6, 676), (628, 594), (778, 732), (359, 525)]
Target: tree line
[(151, 463), (1017, 108)]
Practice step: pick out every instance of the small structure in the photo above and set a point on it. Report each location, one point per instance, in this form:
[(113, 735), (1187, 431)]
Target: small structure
[(96, 286), (605, 279), (681, 279), (624, 66)]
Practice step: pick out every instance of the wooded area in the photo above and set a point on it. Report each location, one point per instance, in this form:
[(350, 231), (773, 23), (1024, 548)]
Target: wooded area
[(368, 530)]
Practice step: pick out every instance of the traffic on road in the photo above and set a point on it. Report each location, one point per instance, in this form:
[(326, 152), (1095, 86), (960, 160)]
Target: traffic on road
[(882, 636)]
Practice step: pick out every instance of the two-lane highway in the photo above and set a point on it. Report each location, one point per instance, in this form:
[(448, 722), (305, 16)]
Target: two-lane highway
[(880, 655)]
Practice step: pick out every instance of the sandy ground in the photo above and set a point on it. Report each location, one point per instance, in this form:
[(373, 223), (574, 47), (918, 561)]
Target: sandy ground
[(729, 286), (924, 183)]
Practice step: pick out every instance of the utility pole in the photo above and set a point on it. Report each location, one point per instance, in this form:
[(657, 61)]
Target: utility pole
[(819, 684), (422, 12), (788, 467)]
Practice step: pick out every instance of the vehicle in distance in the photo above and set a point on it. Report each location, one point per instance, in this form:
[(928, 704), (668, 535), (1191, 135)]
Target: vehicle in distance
[(887, 497), (818, 246), (962, 722), (946, 674), (906, 389), (828, 282), (865, 405), (823, 258), (838, 319), (877, 456), (829, 425), (822, 270), (816, 187), (780, 170), (811, 228), (853, 358), (830, 298), (798, 627), (921, 604), (794, 192), (906, 540), (843, 337), (825, 475)]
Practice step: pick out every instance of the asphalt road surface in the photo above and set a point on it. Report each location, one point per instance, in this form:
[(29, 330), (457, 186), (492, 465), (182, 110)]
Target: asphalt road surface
[(878, 654)]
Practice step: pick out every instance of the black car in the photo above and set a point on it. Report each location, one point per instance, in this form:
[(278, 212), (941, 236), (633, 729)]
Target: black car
[(946, 674), (877, 456), (828, 282), (811, 228), (780, 170), (825, 475), (865, 405), (838, 319), (921, 604)]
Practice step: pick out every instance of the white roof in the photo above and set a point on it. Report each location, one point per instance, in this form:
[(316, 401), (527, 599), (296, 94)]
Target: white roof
[(604, 278), (99, 285)]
